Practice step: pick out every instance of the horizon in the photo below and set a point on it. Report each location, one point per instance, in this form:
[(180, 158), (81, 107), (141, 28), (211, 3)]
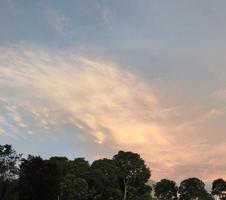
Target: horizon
[(87, 79)]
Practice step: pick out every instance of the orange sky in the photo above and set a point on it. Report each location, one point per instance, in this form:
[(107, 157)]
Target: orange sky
[(48, 92)]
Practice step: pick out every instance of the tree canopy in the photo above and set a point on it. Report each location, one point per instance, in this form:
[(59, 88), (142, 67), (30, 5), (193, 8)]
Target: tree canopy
[(124, 177), (8, 172), (219, 188), (193, 188), (166, 190), (133, 174), (39, 179)]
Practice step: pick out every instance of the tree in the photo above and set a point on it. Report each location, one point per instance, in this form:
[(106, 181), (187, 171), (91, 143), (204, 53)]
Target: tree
[(166, 190), (106, 184), (39, 179), (133, 172), (8, 189), (219, 188), (73, 188), (8, 170), (192, 189), (109, 169), (78, 167), (62, 164), (8, 161)]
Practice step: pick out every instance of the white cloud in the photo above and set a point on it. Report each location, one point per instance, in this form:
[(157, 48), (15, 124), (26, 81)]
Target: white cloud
[(47, 90)]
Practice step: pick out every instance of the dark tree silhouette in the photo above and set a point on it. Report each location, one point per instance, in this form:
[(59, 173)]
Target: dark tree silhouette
[(125, 177), (62, 164), (108, 168), (8, 171), (39, 179), (133, 172), (74, 188), (8, 161), (78, 167), (219, 188), (166, 190), (193, 188), (107, 172)]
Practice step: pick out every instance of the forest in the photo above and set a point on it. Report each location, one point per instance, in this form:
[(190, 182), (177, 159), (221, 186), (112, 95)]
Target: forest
[(124, 177)]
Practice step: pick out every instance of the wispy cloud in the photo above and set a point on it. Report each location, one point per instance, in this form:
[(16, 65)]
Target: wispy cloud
[(59, 22), (53, 91)]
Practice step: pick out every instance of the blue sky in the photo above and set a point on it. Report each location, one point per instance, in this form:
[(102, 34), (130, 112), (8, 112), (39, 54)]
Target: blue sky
[(87, 78)]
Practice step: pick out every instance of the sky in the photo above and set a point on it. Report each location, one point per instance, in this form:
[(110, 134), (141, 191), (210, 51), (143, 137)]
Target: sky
[(87, 78)]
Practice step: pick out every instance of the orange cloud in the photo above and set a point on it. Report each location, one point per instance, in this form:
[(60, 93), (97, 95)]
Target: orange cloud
[(114, 107)]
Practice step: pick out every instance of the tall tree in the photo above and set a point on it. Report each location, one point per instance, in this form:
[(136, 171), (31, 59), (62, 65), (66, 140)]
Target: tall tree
[(166, 190), (78, 167), (106, 185), (133, 172), (109, 169), (8, 162), (219, 188), (192, 189), (73, 188), (62, 164), (8, 170), (39, 179)]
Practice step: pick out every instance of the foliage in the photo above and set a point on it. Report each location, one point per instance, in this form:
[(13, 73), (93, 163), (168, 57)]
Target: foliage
[(219, 188), (39, 179), (166, 190), (73, 188), (108, 168), (8, 189), (79, 167), (133, 173), (8, 172), (8, 161), (193, 188), (124, 177), (104, 175), (62, 164)]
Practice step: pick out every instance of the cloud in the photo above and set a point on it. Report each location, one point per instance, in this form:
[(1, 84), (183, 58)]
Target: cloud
[(219, 95), (106, 108), (59, 22), (96, 97)]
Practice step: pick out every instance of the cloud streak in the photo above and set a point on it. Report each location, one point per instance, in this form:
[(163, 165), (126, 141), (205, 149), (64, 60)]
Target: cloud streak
[(49, 92)]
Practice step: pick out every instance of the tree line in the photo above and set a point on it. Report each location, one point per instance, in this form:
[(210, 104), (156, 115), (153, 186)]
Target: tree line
[(124, 177)]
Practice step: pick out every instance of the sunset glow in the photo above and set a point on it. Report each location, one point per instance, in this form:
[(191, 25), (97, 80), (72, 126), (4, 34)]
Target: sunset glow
[(139, 82)]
